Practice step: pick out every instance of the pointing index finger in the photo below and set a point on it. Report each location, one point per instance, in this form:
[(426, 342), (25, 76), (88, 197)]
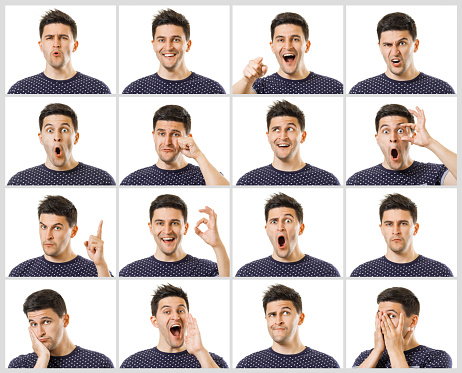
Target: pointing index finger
[(100, 229)]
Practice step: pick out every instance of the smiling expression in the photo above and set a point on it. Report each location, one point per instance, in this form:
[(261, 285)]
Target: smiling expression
[(48, 327), (285, 137), (398, 48), (168, 227), (170, 46), (282, 321), (166, 135), (398, 230), (55, 235), (57, 45)]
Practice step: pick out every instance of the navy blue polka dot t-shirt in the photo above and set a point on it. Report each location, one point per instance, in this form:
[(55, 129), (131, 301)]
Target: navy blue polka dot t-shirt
[(153, 175)]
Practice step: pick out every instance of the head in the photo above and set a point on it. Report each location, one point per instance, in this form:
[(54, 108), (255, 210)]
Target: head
[(57, 224), (396, 300), (283, 313), (58, 38), (170, 38), (398, 222), (388, 125), (169, 306), (168, 222), (284, 223), (47, 315), (289, 41), (398, 42), (169, 123)]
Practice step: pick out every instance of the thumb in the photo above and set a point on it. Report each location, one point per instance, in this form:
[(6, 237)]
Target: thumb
[(408, 336), (86, 244), (264, 69)]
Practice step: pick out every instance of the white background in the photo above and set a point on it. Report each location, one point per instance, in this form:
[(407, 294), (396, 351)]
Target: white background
[(209, 126), (322, 329), (362, 150), (322, 216), (22, 240), (436, 31), (209, 53), (252, 35), (437, 235), (97, 129), (323, 147), (95, 56), (135, 241), (208, 303), (91, 305), (437, 326)]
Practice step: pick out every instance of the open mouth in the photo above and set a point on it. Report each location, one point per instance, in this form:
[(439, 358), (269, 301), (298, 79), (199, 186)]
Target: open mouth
[(394, 154), (167, 239), (169, 55), (58, 151), (175, 329), (281, 242), (395, 61), (289, 57), (283, 145)]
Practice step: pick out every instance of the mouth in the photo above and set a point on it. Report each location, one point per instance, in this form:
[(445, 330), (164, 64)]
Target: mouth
[(167, 239), (283, 146), (288, 57), (394, 154), (58, 151), (169, 55), (175, 329), (281, 242), (56, 53), (396, 62)]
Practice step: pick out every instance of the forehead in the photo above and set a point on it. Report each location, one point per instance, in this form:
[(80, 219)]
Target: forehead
[(167, 213), (279, 304), (57, 120), (57, 29), (169, 125), (51, 219), (392, 121), (284, 121), (288, 29), (39, 314), (280, 212), (391, 306), (169, 30), (172, 302), (395, 35), (394, 215)]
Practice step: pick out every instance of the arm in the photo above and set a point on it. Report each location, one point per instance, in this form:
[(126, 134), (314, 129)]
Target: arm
[(379, 345), (194, 344), (394, 341), (43, 355), (422, 138), (95, 247), (212, 238), (254, 70), (189, 148)]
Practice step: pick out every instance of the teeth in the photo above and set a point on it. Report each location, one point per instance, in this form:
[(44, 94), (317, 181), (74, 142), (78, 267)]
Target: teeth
[(167, 239), (289, 55), (283, 145), (169, 55)]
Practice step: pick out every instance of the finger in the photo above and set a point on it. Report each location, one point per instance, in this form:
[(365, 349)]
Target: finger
[(86, 244), (408, 138), (408, 336), (264, 69), (412, 125), (207, 210), (400, 323), (258, 60), (100, 230), (201, 221), (385, 324)]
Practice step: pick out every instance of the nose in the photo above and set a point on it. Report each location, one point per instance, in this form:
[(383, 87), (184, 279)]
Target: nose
[(169, 44), (396, 229), (41, 331), (395, 50), (50, 234), (56, 42), (281, 226), (394, 137), (279, 320)]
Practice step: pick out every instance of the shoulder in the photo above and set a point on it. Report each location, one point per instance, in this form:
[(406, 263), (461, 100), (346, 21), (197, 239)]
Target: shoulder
[(426, 357), (362, 356), (324, 84), (31, 176), (201, 267), (318, 176), (152, 175), (27, 85), (320, 359), (22, 269), (79, 267), (139, 268), (318, 268), (369, 269), (93, 359), (23, 361), (143, 176), (94, 176), (257, 268), (143, 85), (257, 176), (435, 85), (433, 268), (142, 359), (254, 360), (369, 176), (209, 86), (368, 85), (92, 85), (218, 360)]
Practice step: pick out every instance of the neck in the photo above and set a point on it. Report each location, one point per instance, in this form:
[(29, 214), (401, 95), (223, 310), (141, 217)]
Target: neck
[(175, 257), (412, 344), (179, 163), (289, 348), (300, 74), (406, 256), (295, 256), (63, 73), (69, 165), (179, 73), (294, 164), (406, 164), (64, 348), (165, 347), (410, 73), (66, 256)]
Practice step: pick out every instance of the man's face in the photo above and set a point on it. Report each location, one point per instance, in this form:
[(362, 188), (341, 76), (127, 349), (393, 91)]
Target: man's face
[(393, 310), (48, 327), (166, 137), (170, 319), (283, 229), (168, 227), (398, 48), (398, 230), (285, 137), (395, 150), (57, 45), (58, 138), (282, 321), (55, 234), (289, 46), (170, 45)]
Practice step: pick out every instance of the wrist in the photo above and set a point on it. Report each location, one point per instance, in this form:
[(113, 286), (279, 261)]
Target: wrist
[(200, 352)]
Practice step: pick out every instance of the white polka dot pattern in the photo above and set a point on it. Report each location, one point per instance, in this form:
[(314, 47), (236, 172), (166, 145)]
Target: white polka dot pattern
[(153, 175)]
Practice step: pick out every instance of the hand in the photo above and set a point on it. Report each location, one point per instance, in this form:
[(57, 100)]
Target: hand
[(95, 246), (188, 147), (210, 236), (193, 337), (393, 337), (255, 69), (379, 343), (39, 348), (420, 136)]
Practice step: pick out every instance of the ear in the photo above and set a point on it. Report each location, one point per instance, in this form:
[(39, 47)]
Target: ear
[(381, 230), (308, 45), (190, 135), (40, 45), (40, 137), (416, 229), (76, 140), (272, 48), (267, 135), (303, 137), (188, 46), (154, 322), (301, 318), (66, 320), (416, 45), (153, 46), (150, 227), (415, 320), (376, 139), (76, 45), (302, 229), (186, 228), (74, 231)]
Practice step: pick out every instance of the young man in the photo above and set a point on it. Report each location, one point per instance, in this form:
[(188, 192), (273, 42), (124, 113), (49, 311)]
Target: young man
[(398, 223), (58, 134), (173, 141), (57, 226), (285, 123), (396, 132), (289, 43), (170, 33), (48, 322), (284, 223), (58, 40), (283, 314), (180, 344), (395, 344), (398, 42), (168, 216)]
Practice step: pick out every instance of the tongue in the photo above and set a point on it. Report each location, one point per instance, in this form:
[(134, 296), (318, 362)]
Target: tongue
[(289, 58), (175, 331)]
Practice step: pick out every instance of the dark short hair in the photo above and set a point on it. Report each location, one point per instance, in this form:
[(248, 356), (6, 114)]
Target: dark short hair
[(173, 113), (397, 201), (284, 108), (397, 21), (43, 299), (292, 19), (403, 296), (58, 205), (282, 292), (58, 109), (169, 201), (392, 110), (165, 291), (56, 16), (283, 200), (170, 17)]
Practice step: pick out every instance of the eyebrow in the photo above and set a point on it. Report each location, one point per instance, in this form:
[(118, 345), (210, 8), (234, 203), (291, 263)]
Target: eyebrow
[(283, 308), (290, 36), (165, 37), (388, 125), (62, 124), (43, 318), (161, 220), (388, 311), (283, 216), (399, 221), (162, 129), (55, 34), (54, 225), (168, 306)]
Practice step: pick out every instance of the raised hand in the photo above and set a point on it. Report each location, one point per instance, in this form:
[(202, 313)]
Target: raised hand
[(43, 354), (95, 246), (379, 343), (420, 136), (193, 337), (255, 69), (188, 147), (210, 236)]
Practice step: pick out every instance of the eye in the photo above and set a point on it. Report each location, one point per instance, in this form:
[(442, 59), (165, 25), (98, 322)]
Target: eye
[(33, 324), (402, 43), (391, 316), (181, 311), (286, 313), (176, 135), (167, 312), (46, 322), (280, 40), (43, 226), (272, 314), (160, 133), (57, 228), (290, 129), (385, 132), (287, 220), (175, 223), (404, 223), (160, 223), (176, 40), (49, 130), (273, 221), (275, 129), (64, 130), (400, 130), (296, 39)]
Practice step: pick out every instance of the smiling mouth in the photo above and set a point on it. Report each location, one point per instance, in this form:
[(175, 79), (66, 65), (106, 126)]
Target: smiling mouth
[(169, 54), (168, 239), (175, 330), (283, 145), (394, 154), (289, 57)]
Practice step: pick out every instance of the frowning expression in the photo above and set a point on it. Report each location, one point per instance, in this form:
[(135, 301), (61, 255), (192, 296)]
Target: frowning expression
[(398, 48)]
